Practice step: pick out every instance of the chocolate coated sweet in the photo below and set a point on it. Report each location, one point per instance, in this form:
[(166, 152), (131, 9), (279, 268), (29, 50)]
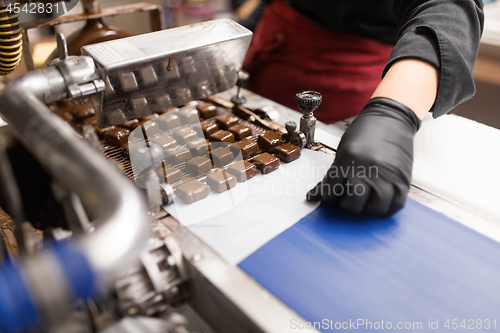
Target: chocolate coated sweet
[(128, 81), (266, 162), (198, 165), (83, 111), (139, 104), (209, 128), (176, 154), (165, 141), (227, 121), (269, 140), (221, 181), (130, 125), (148, 117), (184, 135), (149, 127), (100, 131), (287, 152), (198, 147), (189, 115), (192, 191), (90, 120), (247, 148), (148, 76), (117, 136), (207, 110), (169, 174), (168, 121), (221, 136), (240, 131), (221, 156), (242, 170)]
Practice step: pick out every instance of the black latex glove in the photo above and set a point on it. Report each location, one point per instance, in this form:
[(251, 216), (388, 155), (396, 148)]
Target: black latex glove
[(371, 173)]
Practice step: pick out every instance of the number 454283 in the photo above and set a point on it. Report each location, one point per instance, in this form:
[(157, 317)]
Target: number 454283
[(471, 324), (33, 8)]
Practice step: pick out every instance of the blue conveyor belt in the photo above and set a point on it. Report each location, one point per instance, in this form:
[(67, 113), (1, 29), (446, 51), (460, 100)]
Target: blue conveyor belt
[(417, 266)]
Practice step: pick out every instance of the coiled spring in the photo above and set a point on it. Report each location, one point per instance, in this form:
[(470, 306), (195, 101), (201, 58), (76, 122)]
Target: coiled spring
[(11, 43)]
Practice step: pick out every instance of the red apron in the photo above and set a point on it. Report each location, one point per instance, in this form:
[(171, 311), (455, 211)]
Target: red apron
[(289, 53)]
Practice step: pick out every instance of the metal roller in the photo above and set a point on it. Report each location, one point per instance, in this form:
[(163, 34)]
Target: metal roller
[(11, 43)]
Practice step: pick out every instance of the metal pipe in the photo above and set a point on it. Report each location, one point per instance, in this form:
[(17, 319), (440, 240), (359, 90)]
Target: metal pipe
[(123, 226)]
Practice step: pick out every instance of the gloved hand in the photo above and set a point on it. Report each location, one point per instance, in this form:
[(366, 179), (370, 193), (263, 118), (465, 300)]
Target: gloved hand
[(371, 173)]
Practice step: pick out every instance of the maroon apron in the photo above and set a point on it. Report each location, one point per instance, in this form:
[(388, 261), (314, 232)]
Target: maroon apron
[(290, 53)]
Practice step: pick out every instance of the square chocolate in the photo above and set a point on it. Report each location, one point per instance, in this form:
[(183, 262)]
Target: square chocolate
[(221, 136), (242, 170), (227, 121), (207, 110), (221, 181), (90, 120), (128, 81), (209, 128), (221, 156), (149, 127), (116, 115), (83, 111), (176, 154), (168, 121), (184, 135), (198, 147), (287, 152), (192, 191), (130, 125), (139, 104), (162, 101), (189, 115), (117, 136), (269, 140), (198, 165), (266, 163), (246, 147), (148, 76), (169, 174), (240, 131), (100, 131), (165, 141)]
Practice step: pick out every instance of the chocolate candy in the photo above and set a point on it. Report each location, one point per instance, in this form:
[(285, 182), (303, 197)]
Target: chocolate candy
[(269, 140), (165, 141), (150, 127), (186, 134), (198, 165), (128, 81), (83, 111), (221, 136), (139, 104), (221, 156), (130, 125), (266, 162), (148, 117), (242, 170), (90, 121), (168, 110), (209, 128), (221, 181), (168, 121), (177, 154), (162, 100), (287, 152), (148, 76), (169, 174), (247, 147), (192, 191), (207, 110), (227, 121), (198, 147), (100, 131), (240, 131), (117, 136), (189, 115), (116, 116)]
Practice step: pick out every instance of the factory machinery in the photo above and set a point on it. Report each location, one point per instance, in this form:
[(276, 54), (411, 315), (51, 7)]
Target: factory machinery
[(116, 261)]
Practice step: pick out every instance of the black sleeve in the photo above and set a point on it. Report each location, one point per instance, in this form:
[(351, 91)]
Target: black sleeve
[(446, 34)]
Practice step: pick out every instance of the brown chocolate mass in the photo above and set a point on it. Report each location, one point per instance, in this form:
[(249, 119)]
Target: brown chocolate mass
[(198, 147), (207, 110), (221, 181), (287, 152), (242, 170), (222, 136), (209, 128), (227, 121), (269, 140), (247, 148), (117, 136), (266, 162), (221, 156), (198, 165), (192, 191)]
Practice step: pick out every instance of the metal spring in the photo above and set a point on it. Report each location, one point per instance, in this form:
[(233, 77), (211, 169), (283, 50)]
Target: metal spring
[(11, 43)]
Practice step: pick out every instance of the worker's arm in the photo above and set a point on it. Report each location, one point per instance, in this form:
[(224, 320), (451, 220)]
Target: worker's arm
[(430, 68)]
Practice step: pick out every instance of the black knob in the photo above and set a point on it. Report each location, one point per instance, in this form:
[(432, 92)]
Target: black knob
[(243, 77), (308, 101), (290, 126)]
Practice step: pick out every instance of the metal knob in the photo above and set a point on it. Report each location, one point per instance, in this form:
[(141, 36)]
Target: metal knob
[(243, 77), (290, 126), (308, 101)]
